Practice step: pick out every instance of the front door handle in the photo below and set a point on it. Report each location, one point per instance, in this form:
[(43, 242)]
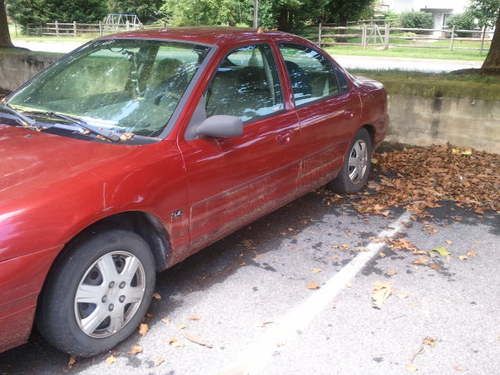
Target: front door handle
[(284, 139)]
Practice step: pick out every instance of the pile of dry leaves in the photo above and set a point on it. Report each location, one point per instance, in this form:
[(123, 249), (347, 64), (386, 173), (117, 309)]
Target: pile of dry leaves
[(417, 178)]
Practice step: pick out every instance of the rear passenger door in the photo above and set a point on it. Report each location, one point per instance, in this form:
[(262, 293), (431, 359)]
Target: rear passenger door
[(326, 109), (234, 180)]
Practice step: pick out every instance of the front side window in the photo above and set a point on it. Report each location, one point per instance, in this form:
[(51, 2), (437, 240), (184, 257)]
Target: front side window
[(126, 85), (245, 85), (311, 74)]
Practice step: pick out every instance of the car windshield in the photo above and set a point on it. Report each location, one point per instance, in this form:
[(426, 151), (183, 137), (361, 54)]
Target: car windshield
[(131, 86)]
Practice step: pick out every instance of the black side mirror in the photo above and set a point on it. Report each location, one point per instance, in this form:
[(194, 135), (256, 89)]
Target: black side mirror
[(220, 126)]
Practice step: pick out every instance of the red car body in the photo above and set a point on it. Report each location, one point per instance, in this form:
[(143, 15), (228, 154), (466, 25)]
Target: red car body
[(191, 192)]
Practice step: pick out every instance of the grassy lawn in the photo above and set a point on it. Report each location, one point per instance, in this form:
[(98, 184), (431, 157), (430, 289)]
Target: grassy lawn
[(456, 85), (408, 52)]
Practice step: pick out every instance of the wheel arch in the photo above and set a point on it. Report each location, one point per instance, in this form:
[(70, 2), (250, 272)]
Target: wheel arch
[(147, 225), (371, 131)]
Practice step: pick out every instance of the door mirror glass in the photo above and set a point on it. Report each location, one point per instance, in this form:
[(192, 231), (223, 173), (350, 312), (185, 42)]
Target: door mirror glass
[(220, 126)]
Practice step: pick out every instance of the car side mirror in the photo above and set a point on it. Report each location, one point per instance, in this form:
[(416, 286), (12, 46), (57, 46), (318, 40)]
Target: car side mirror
[(220, 126)]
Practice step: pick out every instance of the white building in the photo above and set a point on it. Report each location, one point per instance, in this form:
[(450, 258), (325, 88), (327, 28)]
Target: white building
[(440, 9)]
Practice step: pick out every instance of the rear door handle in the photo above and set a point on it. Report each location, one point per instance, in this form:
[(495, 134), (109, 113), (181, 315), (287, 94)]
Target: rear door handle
[(284, 139)]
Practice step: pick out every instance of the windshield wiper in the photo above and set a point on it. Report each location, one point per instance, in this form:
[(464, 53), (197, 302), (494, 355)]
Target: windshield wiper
[(106, 133), (21, 119)]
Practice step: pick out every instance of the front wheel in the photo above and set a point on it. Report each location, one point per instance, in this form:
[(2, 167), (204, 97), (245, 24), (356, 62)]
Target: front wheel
[(98, 293), (357, 165)]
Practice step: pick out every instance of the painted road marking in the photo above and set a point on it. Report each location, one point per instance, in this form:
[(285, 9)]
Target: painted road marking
[(253, 360)]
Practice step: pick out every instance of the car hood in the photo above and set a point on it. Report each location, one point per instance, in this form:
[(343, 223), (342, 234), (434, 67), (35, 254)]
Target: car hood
[(31, 159)]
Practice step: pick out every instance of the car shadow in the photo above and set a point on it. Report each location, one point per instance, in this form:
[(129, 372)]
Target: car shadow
[(199, 272)]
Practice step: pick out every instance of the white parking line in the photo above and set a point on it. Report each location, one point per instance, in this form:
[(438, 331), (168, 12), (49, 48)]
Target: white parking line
[(257, 355)]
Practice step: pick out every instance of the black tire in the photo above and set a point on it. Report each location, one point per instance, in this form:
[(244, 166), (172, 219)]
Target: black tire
[(343, 183), (57, 316)]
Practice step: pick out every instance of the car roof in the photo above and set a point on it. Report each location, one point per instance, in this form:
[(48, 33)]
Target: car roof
[(207, 35)]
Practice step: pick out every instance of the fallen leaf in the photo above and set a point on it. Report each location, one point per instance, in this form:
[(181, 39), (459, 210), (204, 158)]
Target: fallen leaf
[(111, 359), (198, 341), (462, 257), (165, 320), (316, 270), (410, 367), (421, 261), (391, 272), (143, 329), (158, 362), (156, 296), (181, 326), (126, 136), (429, 341), (71, 362), (312, 285), (441, 250), (435, 266), (194, 317), (471, 253), (136, 349), (380, 292), (264, 324)]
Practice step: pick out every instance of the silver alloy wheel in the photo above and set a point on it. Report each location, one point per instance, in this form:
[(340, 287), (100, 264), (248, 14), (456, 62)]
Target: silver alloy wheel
[(109, 294), (358, 161)]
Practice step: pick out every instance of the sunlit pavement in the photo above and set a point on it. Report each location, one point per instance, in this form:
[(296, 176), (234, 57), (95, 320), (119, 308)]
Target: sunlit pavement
[(227, 309), (349, 62)]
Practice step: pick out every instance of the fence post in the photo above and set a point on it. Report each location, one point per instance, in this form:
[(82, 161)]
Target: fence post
[(100, 28), (56, 23), (452, 37), (319, 35), (483, 34), (74, 28), (386, 35), (363, 36), (127, 25)]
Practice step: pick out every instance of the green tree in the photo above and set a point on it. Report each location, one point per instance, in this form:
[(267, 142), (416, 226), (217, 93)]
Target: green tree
[(4, 27), (207, 12), (488, 13), (25, 12), (341, 11), (417, 20), (146, 10), (463, 21)]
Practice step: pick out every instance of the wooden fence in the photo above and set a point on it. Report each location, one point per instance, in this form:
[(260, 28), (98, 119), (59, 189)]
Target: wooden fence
[(386, 36), (74, 29)]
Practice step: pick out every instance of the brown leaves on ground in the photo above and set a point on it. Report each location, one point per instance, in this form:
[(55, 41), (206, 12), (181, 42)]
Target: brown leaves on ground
[(143, 329), (312, 285), (136, 349), (418, 178), (197, 340), (381, 291)]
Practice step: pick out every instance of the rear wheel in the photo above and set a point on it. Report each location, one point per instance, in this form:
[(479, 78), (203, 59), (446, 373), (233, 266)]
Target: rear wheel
[(357, 165), (97, 293)]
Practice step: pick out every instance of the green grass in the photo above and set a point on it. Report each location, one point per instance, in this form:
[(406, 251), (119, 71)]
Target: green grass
[(456, 85), (409, 52)]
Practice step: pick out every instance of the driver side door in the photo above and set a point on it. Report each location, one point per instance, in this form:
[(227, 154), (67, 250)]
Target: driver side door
[(232, 181)]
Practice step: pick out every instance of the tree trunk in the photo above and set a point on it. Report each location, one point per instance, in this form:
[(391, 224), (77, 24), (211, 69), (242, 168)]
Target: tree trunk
[(4, 27), (492, 61)]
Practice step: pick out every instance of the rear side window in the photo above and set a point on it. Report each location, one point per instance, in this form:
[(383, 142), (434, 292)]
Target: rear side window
[(311, 74), (246, 84)]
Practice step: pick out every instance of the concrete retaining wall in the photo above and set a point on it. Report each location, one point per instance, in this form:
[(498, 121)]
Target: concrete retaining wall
[(17, 67), (415, 120), (462, 122)]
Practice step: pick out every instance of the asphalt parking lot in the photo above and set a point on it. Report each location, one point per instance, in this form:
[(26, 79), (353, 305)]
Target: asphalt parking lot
[(283, 296)]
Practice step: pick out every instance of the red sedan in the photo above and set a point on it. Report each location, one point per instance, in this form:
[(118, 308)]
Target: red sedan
[(139, 149)]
